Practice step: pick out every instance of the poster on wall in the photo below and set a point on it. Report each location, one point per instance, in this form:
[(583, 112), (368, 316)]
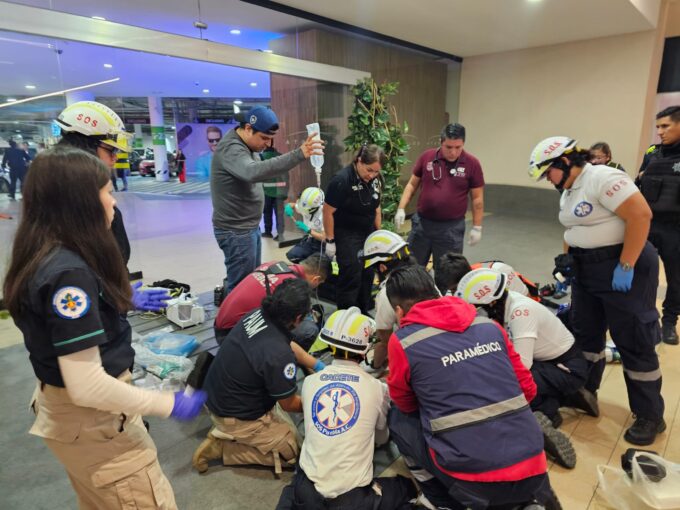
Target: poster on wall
[(198, 142)]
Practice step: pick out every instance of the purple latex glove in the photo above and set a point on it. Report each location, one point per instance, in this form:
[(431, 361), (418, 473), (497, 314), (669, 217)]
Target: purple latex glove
[(188, 404), (149, 300)]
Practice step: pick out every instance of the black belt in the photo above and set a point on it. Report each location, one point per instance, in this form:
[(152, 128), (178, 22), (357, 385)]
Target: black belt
[(573, 352), (596, 254)]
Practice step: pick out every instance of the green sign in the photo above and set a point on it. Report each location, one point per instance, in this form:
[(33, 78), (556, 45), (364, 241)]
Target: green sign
[(158, 135)]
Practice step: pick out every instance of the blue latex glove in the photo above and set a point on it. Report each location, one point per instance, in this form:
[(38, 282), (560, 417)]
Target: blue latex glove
[(301, 225), (623, 280), (149, 300), (288, 210), (319, 366), (188, 405)]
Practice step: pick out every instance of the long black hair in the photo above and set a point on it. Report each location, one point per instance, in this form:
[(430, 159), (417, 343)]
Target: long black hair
[(62, 208)]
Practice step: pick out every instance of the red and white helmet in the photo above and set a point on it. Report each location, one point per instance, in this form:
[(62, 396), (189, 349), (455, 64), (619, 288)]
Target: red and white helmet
[(348, 330), (514, 282), (481, 286), (546, 152), (96, 120)]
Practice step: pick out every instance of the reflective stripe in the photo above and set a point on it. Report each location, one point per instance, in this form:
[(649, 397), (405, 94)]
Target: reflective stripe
[(594, 357), (654, 375), (79, 338), (419, 335), (475, 415)]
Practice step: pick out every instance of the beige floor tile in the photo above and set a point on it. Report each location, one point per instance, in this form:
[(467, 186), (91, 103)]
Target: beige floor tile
[(588, 456), (573, 494)]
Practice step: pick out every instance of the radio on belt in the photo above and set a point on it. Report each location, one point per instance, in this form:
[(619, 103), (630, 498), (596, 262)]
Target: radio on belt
[(185, 311)]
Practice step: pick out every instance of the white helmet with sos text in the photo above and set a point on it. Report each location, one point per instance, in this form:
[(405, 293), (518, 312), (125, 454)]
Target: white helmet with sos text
[(348, 330), (514, 282), (95, 120), (546, 152), (310, 200), (383, 246), (481, 286)]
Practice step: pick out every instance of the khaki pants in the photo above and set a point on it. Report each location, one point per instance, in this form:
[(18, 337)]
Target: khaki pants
[(264, 441), (109, 457)]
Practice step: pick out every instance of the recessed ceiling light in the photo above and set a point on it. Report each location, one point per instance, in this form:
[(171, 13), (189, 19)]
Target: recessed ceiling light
[(100, 18), (30, 87), (108, 66), (206, 91), (253, 84), (238, 101), (17, 131), (235, 31), (267, 51), (10, 99)]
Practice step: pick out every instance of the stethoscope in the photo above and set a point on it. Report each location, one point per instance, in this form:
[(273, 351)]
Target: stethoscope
[(374, 194), (431, 165)]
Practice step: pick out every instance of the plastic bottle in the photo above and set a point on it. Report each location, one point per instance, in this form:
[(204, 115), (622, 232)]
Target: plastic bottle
[(316, 159), (611, 354)]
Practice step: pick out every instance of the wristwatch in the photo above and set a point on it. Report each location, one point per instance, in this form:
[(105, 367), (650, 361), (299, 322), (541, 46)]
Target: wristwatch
[(330, 241), (626, 266)]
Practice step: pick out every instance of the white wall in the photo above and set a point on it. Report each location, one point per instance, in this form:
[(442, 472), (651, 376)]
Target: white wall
[(589, 90)]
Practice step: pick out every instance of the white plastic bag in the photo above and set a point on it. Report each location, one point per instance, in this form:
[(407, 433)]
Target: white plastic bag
[(164, 366)]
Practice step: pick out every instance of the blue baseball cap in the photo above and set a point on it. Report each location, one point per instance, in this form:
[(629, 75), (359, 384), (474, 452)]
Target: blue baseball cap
[(263, 119)]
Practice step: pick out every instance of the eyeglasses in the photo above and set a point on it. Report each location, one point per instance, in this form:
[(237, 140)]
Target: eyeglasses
[(214, 140), (111, 150)]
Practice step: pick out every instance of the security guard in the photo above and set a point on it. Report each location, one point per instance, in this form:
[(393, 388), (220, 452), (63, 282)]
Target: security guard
[(253, 370), (615, 270), (72, 315), (345, 413), (659, 179), (350, 213), (461, 400)]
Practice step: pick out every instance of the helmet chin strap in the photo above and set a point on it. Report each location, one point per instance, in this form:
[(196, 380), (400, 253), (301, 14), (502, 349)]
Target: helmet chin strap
[(566, 171)]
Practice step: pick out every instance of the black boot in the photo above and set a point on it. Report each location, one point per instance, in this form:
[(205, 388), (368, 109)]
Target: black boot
[(644, 430), (669, 335), (556, 444), (585, 401)]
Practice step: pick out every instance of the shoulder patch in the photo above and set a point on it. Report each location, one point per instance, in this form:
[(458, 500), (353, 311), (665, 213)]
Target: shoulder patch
[(289, 371), (70, 302)]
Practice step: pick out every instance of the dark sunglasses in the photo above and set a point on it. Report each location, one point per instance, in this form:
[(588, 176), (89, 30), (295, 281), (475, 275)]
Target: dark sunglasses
[(111, 150), (214, 140)]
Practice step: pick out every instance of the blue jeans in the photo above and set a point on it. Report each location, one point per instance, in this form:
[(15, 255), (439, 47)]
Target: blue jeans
[(242, 254)]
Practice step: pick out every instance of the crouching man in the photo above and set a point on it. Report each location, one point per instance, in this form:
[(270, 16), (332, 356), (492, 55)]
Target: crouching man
[(253, 371), (461, 415), (345, 414)]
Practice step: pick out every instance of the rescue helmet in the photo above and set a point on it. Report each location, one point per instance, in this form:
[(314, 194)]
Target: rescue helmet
[(545, 154), (481, 286), (310, 200), (95, 120), (514, 282), (383, 246), (348, 330)]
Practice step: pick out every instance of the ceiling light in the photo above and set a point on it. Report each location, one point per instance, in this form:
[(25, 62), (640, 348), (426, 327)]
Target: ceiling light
[(30, 87), (267, 51), (206, 91), (238, 101), (253, 84), (108, 66), (10, 99), (18, 131), (236, 109), (235, 31), (100, 18), (60, 92)]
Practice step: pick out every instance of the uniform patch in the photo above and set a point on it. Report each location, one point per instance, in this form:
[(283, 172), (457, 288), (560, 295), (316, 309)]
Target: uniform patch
[(71, 302), (335, 409), (289, 371), (583, 209), (676, 167)]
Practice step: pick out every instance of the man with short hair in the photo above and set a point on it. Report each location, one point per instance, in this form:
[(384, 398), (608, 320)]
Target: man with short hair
[(236, 177), (17, 160), (659, 179), (447, 175)]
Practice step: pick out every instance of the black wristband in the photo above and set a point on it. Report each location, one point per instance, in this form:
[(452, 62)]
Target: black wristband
[(330, 241)]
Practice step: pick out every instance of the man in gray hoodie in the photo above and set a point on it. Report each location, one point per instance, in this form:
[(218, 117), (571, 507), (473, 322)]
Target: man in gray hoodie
[(236, 177)]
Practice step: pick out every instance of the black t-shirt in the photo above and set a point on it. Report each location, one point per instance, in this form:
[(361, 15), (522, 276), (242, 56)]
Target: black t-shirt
[(355, 201), (254, 368), (65, 311)]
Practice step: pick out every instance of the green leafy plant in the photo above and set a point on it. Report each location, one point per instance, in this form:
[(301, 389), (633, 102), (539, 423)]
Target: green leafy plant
[(374, 120)]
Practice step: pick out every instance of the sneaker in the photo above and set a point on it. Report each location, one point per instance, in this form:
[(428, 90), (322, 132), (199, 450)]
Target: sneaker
[(669, 335), (556, 444), (644, 430), (209, 449), (267, 234), (585, 401)]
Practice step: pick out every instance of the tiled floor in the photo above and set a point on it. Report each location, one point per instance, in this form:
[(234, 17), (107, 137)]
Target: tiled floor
[(171, 237)]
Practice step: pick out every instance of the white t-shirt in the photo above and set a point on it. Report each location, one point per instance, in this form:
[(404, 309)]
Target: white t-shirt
[(587, 209), (314, 221), (536, 333), (385, 316), (345, 414)]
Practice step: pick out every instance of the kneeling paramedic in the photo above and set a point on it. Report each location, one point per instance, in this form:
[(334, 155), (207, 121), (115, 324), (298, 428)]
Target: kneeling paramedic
[(345, 414), (545, 346), (461, 394), (309, 205), (253, 370)]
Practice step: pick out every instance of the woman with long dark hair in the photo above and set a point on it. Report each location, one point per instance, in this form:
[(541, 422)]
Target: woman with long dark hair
[(67, 291)]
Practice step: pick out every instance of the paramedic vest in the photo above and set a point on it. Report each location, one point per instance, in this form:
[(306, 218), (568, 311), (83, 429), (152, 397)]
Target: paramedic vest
[(660, 184), (474, 414)]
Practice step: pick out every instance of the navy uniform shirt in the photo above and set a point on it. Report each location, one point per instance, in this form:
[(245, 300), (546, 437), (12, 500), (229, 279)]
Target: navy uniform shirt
[(355, 201), (65, 311), (254, 368)]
